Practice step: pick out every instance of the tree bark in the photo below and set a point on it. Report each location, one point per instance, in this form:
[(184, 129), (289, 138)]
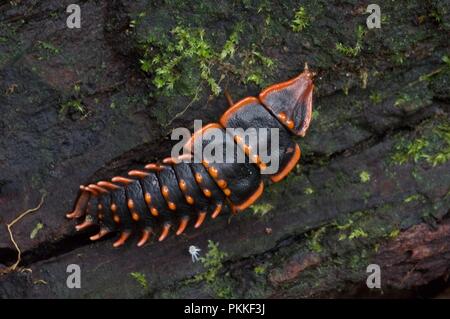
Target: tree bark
[(372, 186)]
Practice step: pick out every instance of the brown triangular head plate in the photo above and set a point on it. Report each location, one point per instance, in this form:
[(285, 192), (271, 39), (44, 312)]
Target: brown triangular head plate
[(291, 102)]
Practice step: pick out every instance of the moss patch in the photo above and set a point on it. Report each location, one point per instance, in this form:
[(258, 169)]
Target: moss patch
[(301, 20), (48, 47), (36, 230), (183, 61), (11, 46), (72, 106), (140, 279), (432, 145), (260, 270), (213, 264), (364, 176), (261, 209), (314, 242), (356, 49)]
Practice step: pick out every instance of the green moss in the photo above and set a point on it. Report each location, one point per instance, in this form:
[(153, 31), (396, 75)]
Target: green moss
[(414, 97), (315, 114), (351, 242), (376, 97), (413, 150), (352, 230), (136, 20), (188, 44), (357, 233), (442, 69), (346, 50), (342, 236), (250, 72), (394, 233), (261, 209), (359, 260), (436, 15), (260, 270), (403, 99), (345, 226), (433, 146), (376, 247), (399, 58), (141, 279), (446, 60), (73, 102), (364, 176), (12, 47), (229, 47), (314, 242), (72, 106), (213, 264), (182, 62), (50, 48), (36, 230), (301, 20), (443, 155), (355, 50), (77, 88), (412, 198)]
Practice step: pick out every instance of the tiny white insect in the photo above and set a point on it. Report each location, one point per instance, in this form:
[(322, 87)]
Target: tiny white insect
[(195, 253)]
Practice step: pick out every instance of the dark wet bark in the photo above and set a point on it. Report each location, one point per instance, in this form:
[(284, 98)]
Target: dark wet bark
[(372, 186)]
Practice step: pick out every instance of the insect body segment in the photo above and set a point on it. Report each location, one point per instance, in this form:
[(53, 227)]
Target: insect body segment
[(249, 113), (179, 191), (231, 170)]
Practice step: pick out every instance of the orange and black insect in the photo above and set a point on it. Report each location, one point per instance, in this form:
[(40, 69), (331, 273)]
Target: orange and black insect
[(177, 191)]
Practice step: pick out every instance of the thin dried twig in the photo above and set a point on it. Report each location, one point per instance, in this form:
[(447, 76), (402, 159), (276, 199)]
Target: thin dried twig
[(11, 236)]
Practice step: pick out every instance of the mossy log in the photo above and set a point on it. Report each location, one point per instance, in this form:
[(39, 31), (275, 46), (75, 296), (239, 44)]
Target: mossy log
[(372, 186)]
